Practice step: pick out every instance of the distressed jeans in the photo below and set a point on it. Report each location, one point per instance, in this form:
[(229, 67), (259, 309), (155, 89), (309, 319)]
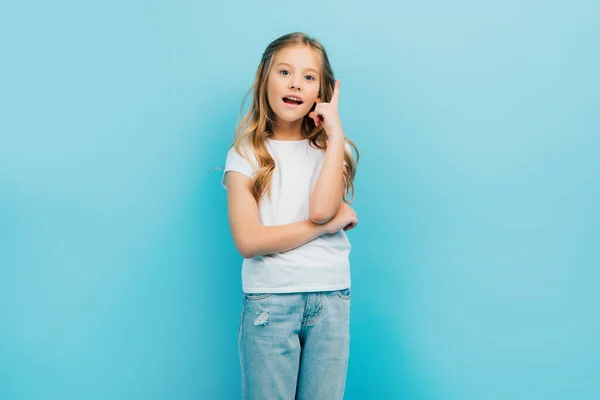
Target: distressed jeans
[(294, 345)]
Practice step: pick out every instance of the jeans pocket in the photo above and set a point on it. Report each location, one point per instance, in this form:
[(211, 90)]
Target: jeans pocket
[(344, 293), (257, 296)]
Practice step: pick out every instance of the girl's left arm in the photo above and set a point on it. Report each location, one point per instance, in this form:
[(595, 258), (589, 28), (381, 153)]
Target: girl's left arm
[(326, 197)]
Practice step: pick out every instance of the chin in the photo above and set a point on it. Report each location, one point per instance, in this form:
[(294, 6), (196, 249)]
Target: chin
[(291, 117)]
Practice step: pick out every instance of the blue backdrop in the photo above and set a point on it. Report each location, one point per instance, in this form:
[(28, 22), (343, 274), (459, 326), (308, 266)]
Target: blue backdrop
[(475, 266)]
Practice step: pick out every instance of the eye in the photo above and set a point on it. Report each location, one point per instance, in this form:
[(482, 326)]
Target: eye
[(282, 72), (312, 78)]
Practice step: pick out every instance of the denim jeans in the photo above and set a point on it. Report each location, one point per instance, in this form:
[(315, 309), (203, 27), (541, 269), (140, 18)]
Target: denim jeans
[(294, 345)]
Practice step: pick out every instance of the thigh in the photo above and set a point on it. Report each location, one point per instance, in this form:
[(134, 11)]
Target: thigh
[(325, 350), (269, 346)]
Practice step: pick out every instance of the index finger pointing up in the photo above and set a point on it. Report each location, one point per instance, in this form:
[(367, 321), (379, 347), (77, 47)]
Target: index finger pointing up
[(336, 92)]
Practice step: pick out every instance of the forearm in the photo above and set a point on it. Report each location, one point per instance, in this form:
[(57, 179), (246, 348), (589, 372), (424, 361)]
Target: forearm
[(327, 195), (264, 240)]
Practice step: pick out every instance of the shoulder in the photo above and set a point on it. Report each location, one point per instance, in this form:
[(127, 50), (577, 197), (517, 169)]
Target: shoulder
[(348, 151), (348, 148), (244, 154), (243, 161)]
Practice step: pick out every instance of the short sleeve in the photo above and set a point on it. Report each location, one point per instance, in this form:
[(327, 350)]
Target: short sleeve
[(348, 150), (235, 162)]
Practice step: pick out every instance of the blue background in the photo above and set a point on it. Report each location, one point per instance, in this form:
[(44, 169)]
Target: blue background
[(475, 266)]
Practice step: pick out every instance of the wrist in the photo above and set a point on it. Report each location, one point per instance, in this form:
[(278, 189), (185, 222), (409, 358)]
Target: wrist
[(336, 135), (321, 228)]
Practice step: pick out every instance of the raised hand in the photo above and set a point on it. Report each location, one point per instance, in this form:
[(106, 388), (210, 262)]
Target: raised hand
[(328, 115)]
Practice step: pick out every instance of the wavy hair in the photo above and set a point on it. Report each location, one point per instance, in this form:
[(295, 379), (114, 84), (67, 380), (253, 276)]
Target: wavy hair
[(258, 124)]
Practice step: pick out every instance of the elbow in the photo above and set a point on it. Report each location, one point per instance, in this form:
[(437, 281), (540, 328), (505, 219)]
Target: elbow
[(249, 244), (246, 248), (321, 216), (247, 254), (247, 251)]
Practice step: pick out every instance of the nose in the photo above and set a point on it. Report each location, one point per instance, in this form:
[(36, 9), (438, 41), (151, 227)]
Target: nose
[(294, 84)]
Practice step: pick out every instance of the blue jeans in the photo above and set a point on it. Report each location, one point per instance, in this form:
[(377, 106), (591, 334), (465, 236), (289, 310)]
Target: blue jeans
[(295, 345)]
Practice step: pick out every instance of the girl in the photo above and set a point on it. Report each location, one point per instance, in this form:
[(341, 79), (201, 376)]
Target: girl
[(288, 176)]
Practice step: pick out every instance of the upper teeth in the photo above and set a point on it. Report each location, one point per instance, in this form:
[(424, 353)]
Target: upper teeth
[(293, 98)]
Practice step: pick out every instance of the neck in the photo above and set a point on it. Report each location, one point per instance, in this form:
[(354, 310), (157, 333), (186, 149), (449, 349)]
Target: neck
[(285, 130)]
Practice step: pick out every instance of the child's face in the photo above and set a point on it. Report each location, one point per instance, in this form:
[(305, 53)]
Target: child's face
[(296, 71)]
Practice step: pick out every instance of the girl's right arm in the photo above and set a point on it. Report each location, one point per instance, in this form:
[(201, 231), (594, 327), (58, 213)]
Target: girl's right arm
[(253, 239)]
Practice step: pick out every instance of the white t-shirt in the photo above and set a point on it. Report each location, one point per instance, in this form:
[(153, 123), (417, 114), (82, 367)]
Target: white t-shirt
[(319, 265)]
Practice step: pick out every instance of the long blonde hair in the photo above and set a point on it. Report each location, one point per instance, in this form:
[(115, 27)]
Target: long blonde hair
[(258, 123)]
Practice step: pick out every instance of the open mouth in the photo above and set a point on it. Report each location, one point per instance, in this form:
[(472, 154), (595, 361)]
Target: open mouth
[(291, 101)]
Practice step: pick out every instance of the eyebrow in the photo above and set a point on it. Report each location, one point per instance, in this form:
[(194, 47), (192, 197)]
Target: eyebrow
[(290, 65)]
